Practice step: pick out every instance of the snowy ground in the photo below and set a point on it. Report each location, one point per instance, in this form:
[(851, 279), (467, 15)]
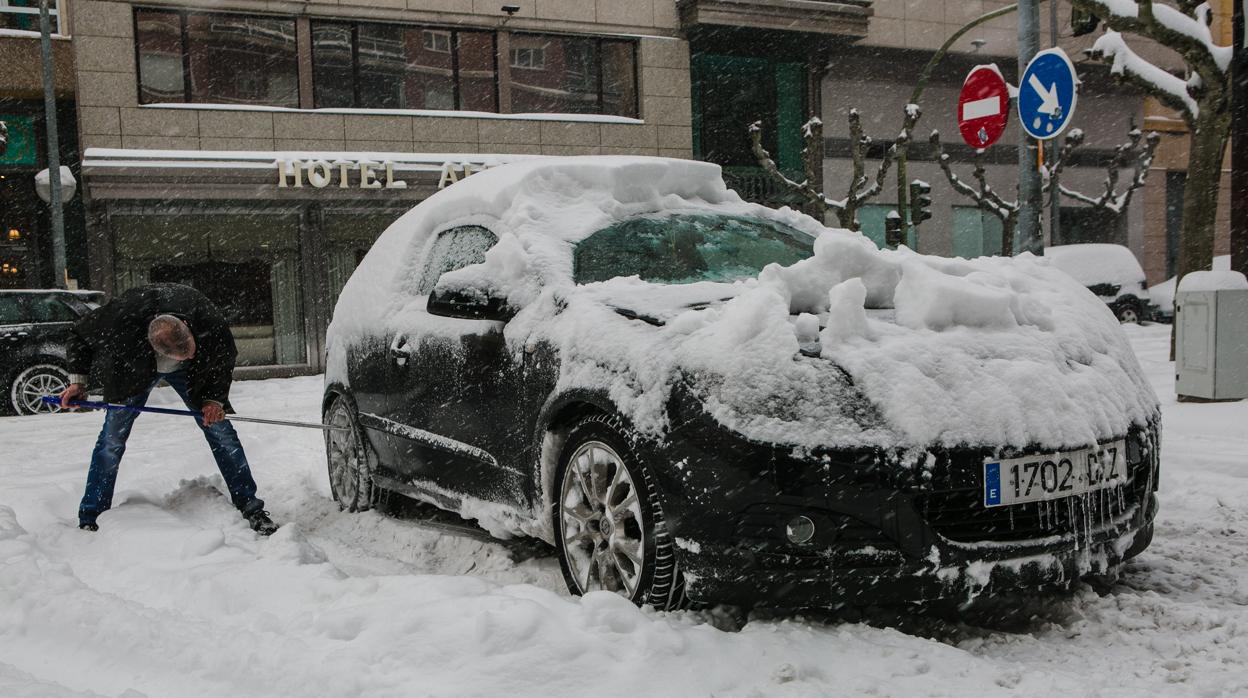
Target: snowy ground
[(176, 597)]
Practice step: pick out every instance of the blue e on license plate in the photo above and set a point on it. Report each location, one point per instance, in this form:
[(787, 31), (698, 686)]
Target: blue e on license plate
[(1049, 476)]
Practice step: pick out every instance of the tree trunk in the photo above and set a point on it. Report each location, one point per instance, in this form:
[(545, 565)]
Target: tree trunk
[(1200, 194), (1200, 198)]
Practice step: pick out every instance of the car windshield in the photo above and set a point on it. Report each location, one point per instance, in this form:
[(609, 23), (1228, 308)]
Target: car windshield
[(684, 248)]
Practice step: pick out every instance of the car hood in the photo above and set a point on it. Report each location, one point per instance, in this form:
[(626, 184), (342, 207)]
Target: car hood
[(866, 348)]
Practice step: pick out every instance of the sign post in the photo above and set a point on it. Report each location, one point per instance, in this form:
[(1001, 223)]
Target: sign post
[(983, 106)]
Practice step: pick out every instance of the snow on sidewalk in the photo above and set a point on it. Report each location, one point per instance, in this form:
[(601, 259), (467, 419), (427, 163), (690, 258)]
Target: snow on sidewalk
[(175, 596)]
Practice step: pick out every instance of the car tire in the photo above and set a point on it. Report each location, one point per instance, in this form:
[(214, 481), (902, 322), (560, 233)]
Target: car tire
[(32, 383), (608, 526), (350, 469), (1129, 313)]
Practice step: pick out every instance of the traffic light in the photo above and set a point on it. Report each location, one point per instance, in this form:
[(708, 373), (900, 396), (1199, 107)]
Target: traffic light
[(920, 201), (893, 234)]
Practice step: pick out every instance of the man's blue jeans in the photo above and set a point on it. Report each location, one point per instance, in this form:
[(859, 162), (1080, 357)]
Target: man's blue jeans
[(106, 458)]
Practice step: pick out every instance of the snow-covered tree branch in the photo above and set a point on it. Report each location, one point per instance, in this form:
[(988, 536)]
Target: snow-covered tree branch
[(1138, 151), (985, 197), (1202, 99), (862, 188)]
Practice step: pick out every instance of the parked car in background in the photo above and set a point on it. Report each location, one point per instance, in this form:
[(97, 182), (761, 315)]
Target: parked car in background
[(1111, 272), (34, 332), (1163, 293), (695, 398)]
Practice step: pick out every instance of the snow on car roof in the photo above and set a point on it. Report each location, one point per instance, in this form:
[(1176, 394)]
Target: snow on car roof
[(1097, 263)]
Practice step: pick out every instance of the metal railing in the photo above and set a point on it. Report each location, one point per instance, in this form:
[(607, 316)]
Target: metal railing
[(24, 15)]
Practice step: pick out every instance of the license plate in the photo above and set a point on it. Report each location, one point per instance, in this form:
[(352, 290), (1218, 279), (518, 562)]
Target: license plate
[(1054, 475)]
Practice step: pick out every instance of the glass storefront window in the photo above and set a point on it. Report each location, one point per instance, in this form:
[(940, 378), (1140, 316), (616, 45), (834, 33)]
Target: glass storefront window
[(246, 263), (216, 58), (395, 66), (976, 233), (348, 236)]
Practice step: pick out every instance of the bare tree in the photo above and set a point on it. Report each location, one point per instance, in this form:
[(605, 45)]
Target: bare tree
[(1138, 151), (985, 197), (1203, 99), (861, 188)]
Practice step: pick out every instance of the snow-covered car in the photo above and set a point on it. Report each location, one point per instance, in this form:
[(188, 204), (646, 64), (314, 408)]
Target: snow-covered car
[(1163, 293), (1111, 272), (696, 398)]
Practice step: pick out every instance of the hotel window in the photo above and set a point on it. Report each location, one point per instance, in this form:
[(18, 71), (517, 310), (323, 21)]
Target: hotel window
[(395, 66), (573, 75), (24, 15), (197, 57)]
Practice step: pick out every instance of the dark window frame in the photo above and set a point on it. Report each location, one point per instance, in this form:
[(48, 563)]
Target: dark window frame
[(598, 58), (454, 32), (182, 15)]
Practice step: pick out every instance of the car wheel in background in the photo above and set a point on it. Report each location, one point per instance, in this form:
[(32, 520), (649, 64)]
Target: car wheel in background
[(29, 386), (609, 528), (1129, 312), (350, 474)]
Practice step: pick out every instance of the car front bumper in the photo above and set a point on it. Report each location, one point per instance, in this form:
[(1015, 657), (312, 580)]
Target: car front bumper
[(884, 535)]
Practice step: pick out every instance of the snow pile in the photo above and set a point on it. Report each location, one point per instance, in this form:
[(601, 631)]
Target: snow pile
[(1162, 294), (853, 346), (176, 597), (1099, 263), (1213, 281)]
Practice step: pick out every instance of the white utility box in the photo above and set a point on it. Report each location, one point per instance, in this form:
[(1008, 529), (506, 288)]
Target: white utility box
[(1211, 336)]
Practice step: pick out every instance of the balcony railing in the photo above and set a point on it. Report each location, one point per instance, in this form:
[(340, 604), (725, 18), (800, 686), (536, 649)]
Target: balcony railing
[(23, 15)]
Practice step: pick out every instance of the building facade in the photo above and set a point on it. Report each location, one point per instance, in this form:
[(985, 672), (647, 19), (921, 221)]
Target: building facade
[(256, 149), (25, 222)]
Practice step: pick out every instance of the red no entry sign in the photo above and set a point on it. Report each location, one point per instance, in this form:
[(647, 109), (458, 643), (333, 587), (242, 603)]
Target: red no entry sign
[(983, 106)]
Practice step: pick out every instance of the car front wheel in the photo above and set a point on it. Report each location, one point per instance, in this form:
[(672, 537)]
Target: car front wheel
[(609, 528), (29, 387), (350, 476)]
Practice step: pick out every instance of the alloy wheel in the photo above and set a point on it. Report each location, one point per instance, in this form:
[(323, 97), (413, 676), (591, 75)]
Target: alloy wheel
[(349, 478), (34, 384), (601, 522)]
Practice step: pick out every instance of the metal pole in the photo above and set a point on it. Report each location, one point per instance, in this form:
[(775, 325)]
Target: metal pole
[(1028, 237), (1055, 196), (903, 207), (54, 145)]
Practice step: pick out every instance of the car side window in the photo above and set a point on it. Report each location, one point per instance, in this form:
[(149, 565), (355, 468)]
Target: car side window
[(11, 310), (49, 309), (454, 249)]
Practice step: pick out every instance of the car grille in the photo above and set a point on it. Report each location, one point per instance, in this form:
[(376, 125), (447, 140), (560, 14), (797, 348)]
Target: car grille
[(960, 515)]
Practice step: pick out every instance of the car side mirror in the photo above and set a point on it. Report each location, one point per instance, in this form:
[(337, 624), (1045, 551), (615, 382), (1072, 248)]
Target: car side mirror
[(469, 305)]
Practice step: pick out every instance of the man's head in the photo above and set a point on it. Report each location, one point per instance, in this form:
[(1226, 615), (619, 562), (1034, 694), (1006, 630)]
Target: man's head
[(171, 337)]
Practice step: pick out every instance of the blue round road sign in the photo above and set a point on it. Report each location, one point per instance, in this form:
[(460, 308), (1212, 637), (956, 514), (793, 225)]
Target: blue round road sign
[(1046, 94)]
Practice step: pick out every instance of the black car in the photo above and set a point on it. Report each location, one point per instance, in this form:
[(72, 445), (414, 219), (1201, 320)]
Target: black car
[(516, 349), (34, 329)]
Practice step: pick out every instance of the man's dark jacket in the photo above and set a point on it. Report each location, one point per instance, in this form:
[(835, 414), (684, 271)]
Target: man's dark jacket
[(114, 338)]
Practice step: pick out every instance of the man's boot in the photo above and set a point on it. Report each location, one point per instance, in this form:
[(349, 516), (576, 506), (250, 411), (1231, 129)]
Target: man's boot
[(261, 523)]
